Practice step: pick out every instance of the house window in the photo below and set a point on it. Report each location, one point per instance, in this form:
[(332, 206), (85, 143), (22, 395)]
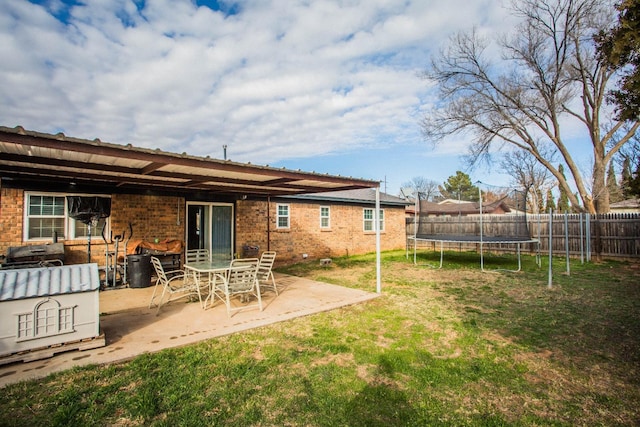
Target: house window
[(325, 217), (80, 229), (283, 216), (46, 216), (368, 220), (47, 318)]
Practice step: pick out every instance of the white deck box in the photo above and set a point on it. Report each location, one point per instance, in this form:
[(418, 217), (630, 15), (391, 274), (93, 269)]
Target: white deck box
[(50, 309)]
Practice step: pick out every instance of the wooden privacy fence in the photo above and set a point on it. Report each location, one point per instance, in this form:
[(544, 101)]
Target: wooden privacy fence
[(614, 235)]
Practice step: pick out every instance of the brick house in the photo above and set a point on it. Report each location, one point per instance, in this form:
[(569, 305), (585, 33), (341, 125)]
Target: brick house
[(227, 207), (322, 225)]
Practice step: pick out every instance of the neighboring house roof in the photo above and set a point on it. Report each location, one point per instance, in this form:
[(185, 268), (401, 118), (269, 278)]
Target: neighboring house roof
[(463, 208), (362, 195), (629, 205), (452, 201), (29, 158)]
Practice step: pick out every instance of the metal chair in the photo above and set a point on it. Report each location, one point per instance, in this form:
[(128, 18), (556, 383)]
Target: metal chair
[(197, 255), (240, 280), (265, 274), (175, 283)]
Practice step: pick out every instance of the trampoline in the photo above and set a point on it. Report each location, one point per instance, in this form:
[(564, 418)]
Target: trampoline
[(483, 229)]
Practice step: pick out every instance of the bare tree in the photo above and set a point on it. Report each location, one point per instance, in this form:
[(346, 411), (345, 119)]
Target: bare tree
[(528, 174), (548, 74), (427, 188)]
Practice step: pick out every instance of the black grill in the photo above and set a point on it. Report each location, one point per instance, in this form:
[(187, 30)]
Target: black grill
[(34, 256)]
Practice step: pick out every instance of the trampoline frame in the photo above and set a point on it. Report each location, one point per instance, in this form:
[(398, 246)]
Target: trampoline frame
[(474, 240), (480, 239)]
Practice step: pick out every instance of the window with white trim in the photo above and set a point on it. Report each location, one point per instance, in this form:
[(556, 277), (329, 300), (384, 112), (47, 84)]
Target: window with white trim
[(282, 216), (368, 220), (46, 216), (81, 230), (325, 217)]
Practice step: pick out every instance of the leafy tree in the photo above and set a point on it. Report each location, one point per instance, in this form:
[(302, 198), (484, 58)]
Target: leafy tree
[(620, 50), (459, 187), (563, 200), (633, 184), (546, 75), (630, 166), (615, 192), (625, 176), (551, 204), (539, 200), (427, 188)]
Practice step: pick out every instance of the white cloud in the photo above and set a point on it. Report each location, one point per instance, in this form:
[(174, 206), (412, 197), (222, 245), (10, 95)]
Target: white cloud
[(278, 80)]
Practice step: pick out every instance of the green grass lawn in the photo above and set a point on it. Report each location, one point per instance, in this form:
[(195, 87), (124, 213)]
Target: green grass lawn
[(441, 347)]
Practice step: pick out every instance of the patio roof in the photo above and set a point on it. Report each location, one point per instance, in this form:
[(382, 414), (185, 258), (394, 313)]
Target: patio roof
[(30, 156)]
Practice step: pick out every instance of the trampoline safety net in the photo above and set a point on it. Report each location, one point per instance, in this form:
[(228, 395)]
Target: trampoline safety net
[(475, 221)]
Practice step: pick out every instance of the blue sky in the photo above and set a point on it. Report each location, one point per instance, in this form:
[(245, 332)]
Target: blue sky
[(325, 86)]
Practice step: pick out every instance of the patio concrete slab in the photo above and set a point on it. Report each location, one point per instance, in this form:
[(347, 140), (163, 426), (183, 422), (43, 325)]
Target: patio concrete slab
[(131, 328)]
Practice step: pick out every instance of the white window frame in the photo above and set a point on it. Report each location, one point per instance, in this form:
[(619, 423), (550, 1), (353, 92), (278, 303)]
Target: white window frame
[(69, 227), (286, 217), (368, 224), (326, 217)]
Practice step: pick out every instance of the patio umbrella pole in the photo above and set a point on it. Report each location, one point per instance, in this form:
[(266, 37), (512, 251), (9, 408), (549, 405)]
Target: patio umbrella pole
[(89, 242)]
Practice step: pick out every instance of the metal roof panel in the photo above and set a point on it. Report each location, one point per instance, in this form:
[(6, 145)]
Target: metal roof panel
[(58, 157)]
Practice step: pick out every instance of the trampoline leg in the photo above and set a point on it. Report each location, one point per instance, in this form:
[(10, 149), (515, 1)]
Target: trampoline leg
[(441, 252)]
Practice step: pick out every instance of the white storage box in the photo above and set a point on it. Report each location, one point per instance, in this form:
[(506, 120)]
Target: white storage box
[(50, 309)]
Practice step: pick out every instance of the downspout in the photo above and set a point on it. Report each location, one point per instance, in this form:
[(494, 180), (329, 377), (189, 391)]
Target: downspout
[(268, 223)]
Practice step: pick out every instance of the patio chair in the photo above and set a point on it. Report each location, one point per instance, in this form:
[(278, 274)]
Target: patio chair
[(240, 280), (265, 274), (197, 255), (175, 283)]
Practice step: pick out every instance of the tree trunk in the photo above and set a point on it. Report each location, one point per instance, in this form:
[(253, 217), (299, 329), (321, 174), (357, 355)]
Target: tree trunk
[(600, 191)]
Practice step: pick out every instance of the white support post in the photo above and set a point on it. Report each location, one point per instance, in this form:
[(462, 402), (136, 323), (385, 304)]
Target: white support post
[(581, 238), (377, 222), (550, 281), (566, 242), (481, 231)]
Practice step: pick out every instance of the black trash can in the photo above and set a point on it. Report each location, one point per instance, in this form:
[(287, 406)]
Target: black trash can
[(139, 270)]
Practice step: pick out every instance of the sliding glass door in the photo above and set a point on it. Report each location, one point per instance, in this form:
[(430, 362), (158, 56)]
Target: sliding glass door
[(210, 226)]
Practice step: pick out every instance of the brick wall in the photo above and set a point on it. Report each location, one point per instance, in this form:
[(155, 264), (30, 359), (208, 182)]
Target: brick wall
[(160, 217), (151, 217), (344, 237), (11, 212)]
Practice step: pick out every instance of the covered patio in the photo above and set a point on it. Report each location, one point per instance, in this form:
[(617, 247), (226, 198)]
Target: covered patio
[(131, 328), (45, 162)]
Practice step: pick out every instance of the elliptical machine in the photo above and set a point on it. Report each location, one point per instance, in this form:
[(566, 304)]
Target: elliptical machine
[(115, 271)]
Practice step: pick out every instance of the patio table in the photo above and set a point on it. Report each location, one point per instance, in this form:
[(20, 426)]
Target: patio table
[(209, 268)]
